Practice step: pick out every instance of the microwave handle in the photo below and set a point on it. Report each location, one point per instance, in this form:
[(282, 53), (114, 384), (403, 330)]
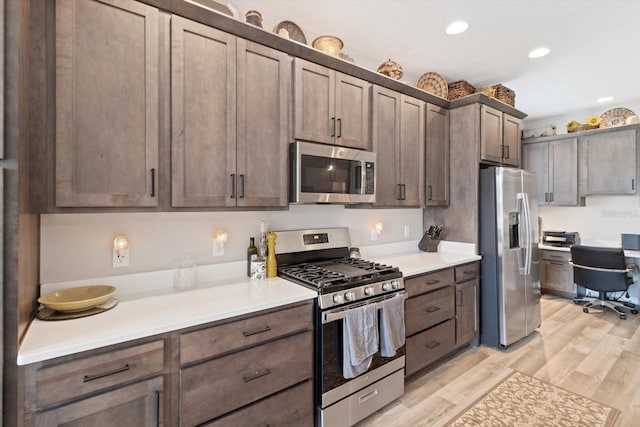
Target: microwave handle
[(358, 177)]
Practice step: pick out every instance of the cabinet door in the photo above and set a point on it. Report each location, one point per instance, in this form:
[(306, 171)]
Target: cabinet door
[(466, 311), (437, 156), (203, 115), (353, 119), (314, 116), (412, 152), (386, 144), (535, 158), (264, 79), (491, 148), (135, 405), (106, 103), (511, 139), (608, 163), (563, 172), (557, 276)]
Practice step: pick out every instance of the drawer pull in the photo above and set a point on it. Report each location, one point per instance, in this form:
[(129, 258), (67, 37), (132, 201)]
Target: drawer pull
[(557, 263), (432, 282), (432, 309), (257, 374), (555, 256), (368, 396), (432, 345), (469, 272), (256, 331), (157, 424), (88, 378)]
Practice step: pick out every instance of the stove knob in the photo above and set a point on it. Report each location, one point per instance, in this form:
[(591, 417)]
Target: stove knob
[(386, 287), (368, 290), (337, 299), (349, 296)]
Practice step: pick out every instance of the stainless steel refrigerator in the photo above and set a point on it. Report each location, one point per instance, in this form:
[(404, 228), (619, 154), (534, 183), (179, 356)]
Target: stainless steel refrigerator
[(510, 278)]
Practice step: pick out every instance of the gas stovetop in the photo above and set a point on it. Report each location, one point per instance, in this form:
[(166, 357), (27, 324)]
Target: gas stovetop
[(338, 274), (319, 259)]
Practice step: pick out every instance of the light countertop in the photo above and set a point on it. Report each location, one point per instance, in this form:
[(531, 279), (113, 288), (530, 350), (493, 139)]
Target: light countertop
[(149, 306), (627, 253)]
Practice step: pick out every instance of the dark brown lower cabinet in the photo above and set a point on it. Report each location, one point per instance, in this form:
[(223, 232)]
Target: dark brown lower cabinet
[(134, 405)]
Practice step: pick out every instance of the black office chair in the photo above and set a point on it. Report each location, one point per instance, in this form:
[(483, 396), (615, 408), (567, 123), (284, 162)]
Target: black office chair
[(602, 270)]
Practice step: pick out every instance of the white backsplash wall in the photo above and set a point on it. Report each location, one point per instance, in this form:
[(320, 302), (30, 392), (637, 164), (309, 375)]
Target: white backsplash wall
[(603, 218), (79, 246)]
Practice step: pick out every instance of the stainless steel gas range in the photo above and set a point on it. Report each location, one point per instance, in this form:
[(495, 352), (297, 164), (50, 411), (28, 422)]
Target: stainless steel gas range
[(319, 259)]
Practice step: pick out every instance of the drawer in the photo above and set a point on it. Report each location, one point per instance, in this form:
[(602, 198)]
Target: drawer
[(558, 256), (430, 345), (292, 407), (86, 375), (467, 272), (211, 389), (429, 309), (220, 339), (428, 282)]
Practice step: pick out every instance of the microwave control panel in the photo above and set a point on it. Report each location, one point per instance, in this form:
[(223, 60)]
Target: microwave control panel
[(369, 178)]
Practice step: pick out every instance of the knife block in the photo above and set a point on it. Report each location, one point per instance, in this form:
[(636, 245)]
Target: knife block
[(428, 244)]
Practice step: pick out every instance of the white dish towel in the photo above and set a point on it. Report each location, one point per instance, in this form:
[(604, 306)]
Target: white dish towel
[(392, 330), (359, 339)]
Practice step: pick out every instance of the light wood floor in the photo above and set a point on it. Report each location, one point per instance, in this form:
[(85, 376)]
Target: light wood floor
[(596, 355)]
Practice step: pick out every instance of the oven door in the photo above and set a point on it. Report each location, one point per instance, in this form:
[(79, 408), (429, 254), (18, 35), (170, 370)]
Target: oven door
[(331, 386), (331, 174)]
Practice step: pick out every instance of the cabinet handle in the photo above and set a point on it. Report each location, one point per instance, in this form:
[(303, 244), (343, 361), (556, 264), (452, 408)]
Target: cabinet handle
[(368, 396), (339, 127), (255, 375), (333, 126), (404, 191), (555, 256), (432, 309), (633, 184), (153, 182), (256, 331), (233, 185), (506, 151), (432, 282), (546, 197), (460, 303), (399, 191), (432, 345), (157, 408), (241, 186), (551, 197), (561, 264), (430, 192), (468, 272), (88, 378)]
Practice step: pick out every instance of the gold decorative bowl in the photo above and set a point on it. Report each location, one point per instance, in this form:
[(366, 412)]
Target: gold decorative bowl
[(328, 44), (392, 69), (77, 299)]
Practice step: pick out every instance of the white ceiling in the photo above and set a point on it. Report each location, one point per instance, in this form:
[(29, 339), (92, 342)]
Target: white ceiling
[(594, 43)]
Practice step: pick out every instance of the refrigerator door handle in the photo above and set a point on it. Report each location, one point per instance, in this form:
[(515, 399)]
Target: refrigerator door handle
[(528, 242), (522, 249)]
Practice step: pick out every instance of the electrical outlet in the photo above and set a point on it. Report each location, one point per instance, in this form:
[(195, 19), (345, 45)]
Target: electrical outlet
[(374, 235), (218, 248), (120, 258), (407, 231)]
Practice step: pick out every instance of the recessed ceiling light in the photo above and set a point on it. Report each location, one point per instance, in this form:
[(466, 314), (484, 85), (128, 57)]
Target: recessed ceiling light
[(605, 99), (539, 52), (457, 27)]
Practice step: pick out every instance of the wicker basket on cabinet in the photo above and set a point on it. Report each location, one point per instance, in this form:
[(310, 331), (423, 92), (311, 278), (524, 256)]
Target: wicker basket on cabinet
[(460, 88), (504, 94)]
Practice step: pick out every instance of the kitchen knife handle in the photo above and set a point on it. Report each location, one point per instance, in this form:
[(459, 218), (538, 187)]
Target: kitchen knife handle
[(153, 182), (241, 186), (233, 185), (339, 127), (333, 126), (255, 375)]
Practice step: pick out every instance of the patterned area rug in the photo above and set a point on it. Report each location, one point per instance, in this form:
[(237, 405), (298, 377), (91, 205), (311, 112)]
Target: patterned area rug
[(521, 400)]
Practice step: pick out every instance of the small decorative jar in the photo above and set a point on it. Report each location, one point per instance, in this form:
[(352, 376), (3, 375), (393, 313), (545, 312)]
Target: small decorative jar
[(254, 17)]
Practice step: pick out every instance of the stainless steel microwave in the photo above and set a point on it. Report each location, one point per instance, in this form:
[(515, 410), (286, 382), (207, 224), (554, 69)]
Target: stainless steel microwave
[(331, 174)]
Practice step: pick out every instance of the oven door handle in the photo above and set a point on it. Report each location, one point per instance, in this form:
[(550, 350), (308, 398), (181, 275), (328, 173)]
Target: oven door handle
[(332, 316)]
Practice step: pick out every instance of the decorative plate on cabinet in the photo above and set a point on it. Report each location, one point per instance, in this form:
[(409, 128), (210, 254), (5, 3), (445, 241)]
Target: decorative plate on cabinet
[(295, 33), (433, 83), (615, 117)]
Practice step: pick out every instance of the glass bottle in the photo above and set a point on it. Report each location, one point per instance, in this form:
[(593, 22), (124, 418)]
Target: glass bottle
[(252, 254)]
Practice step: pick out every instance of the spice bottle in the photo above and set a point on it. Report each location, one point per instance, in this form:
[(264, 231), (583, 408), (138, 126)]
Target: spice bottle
[(252, 254)]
